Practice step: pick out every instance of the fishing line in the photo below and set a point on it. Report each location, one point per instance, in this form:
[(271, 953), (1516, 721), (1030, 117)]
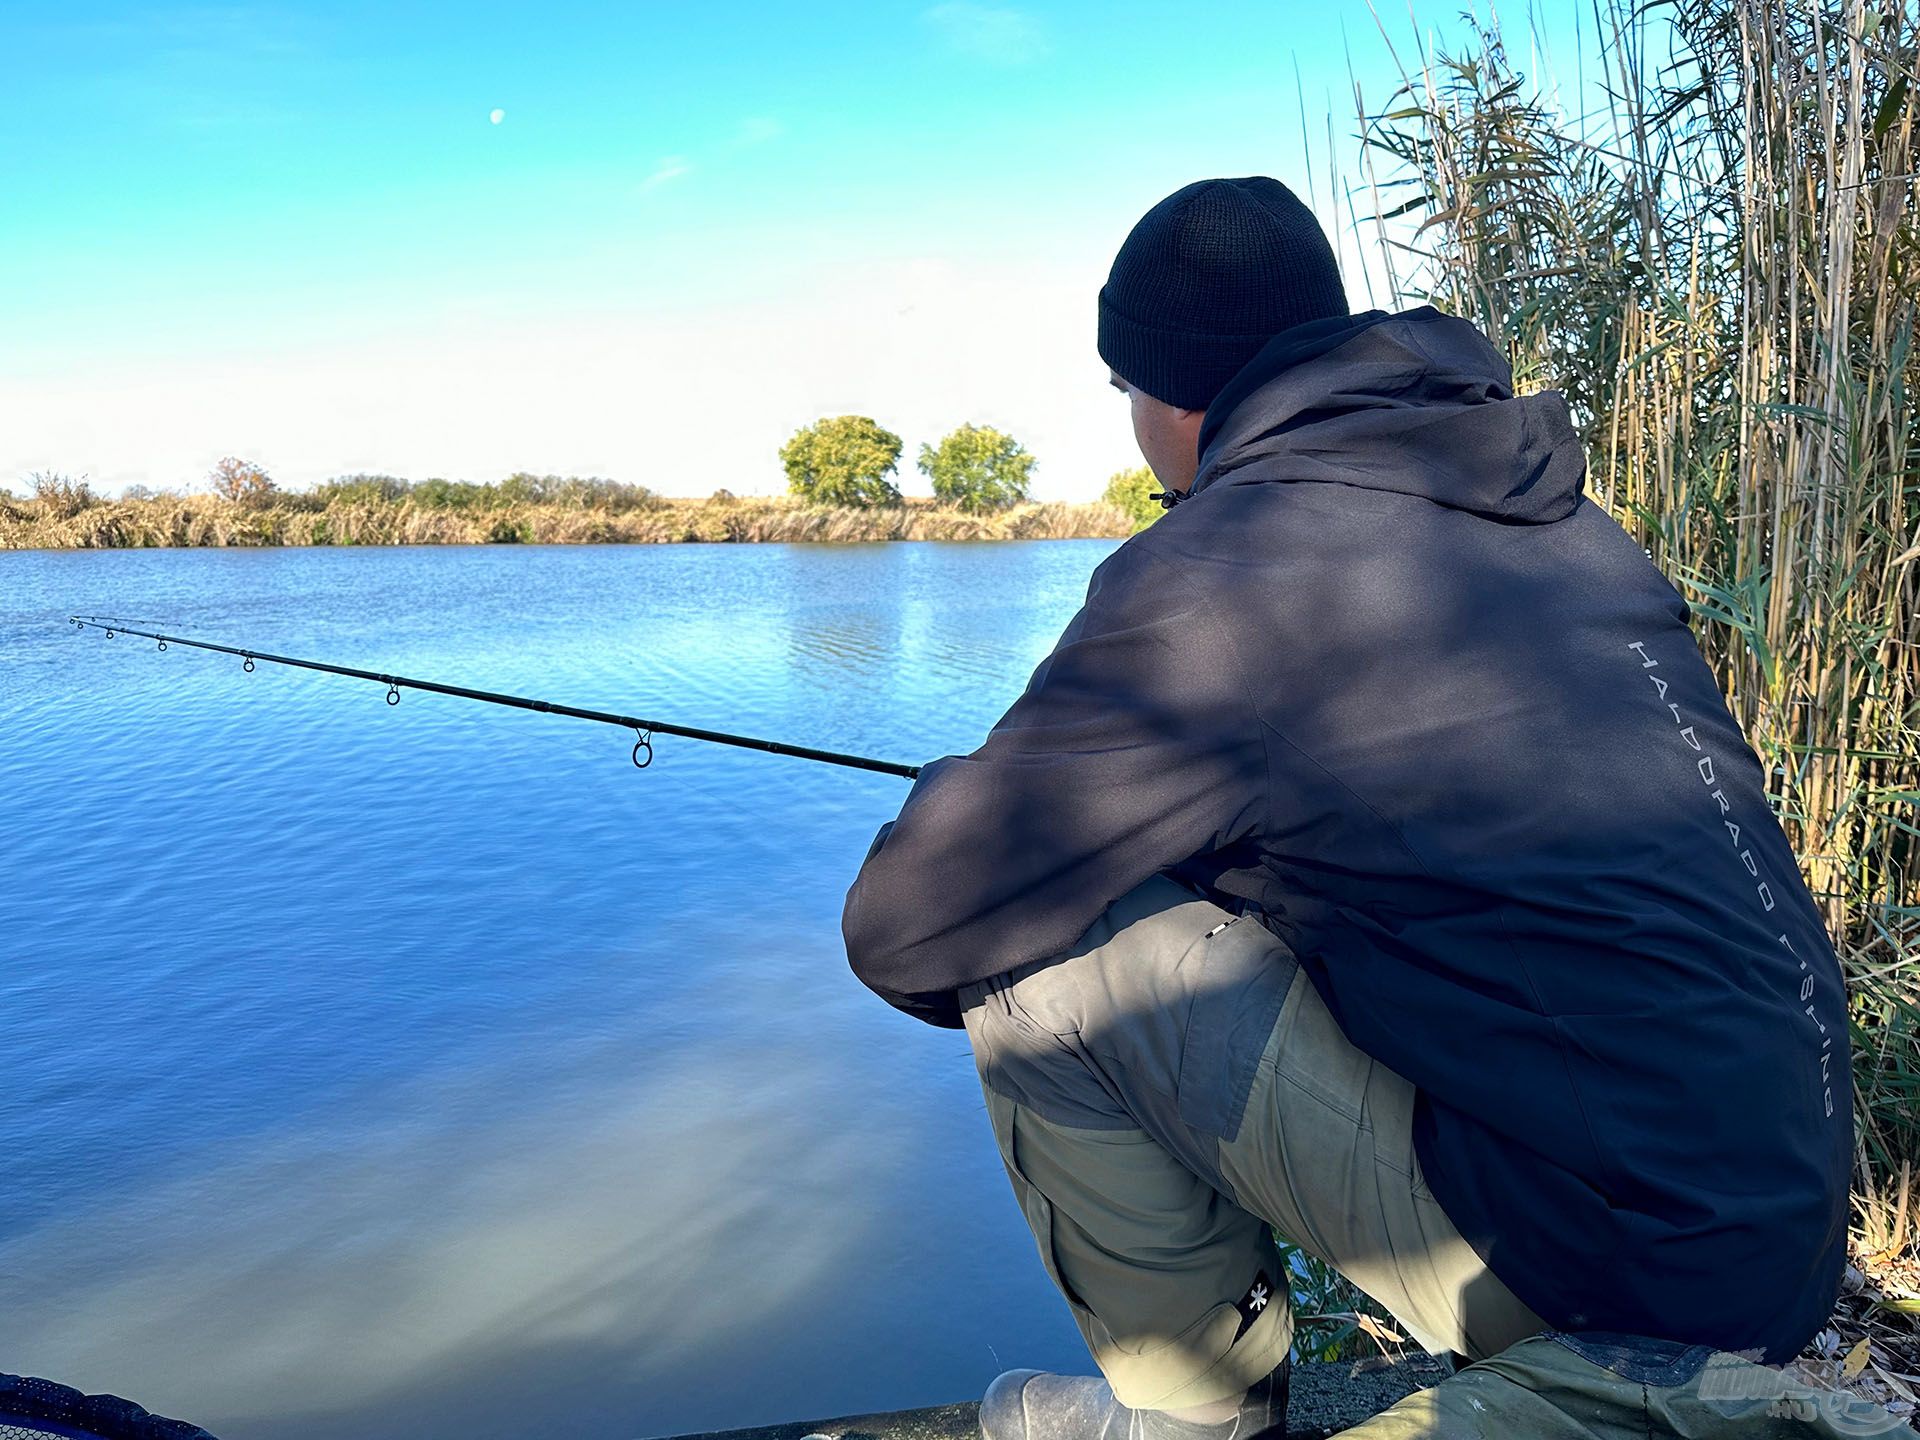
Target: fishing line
[(645, 730)]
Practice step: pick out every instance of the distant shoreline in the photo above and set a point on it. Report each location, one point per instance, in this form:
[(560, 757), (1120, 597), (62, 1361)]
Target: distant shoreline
[(200, 521)]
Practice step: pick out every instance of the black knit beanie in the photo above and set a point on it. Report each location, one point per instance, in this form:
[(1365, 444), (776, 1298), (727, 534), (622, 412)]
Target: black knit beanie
[(1206, 278)]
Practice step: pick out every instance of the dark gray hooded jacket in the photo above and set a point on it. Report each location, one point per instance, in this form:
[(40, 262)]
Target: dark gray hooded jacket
[(1386, 681)]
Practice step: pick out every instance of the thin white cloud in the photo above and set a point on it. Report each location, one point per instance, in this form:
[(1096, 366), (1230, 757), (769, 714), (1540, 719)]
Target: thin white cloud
[(997, 33), (164, 33), (197, 67), (670, 168), (757, 130)]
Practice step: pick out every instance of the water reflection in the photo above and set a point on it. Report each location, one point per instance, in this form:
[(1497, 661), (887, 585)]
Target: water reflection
[(389, 1271), (429, 1071)]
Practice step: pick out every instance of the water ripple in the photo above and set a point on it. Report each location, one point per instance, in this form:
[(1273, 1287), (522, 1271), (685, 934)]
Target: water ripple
[(386, 1070)]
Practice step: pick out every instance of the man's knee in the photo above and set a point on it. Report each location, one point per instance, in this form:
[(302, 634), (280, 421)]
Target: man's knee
[(1157, 1019)]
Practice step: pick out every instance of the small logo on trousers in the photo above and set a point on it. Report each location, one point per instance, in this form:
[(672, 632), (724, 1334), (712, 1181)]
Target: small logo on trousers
[(1259, 1295)]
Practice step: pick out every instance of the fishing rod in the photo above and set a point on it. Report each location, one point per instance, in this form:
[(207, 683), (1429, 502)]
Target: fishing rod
[(645, 729)]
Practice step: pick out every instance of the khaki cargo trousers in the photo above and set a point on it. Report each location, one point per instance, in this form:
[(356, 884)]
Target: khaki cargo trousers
[(1173, 1090)]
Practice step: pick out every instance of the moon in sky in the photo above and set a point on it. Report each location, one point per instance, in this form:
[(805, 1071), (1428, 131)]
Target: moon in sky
[(497, 116)]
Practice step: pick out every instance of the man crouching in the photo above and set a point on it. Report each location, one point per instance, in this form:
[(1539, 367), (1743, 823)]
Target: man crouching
[(1374, 859)]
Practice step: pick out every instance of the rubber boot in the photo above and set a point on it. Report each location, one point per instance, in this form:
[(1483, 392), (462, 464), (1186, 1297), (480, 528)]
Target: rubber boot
[(1033, 1405)]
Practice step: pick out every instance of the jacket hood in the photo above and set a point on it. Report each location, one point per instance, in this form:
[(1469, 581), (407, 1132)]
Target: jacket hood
[(1419, 403)]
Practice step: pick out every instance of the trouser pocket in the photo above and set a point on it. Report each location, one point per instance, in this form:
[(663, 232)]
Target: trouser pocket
[(1238, 982), (1178, 1293), (1157, 1018)]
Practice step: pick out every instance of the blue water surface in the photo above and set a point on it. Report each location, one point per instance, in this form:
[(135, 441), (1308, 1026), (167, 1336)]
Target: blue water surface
[(429, 1071)]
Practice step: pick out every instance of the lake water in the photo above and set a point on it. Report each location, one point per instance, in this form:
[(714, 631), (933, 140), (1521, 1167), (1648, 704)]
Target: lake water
[(429, 1071)]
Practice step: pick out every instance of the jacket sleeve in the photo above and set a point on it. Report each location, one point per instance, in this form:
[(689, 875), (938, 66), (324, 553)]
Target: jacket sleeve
[(1133, 748)]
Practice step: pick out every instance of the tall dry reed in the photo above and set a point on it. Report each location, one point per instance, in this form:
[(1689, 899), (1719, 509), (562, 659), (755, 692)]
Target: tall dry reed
[(1722, 271)]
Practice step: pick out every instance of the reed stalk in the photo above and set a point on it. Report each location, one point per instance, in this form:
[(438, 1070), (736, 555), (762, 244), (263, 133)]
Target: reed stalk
[(1721, 270)]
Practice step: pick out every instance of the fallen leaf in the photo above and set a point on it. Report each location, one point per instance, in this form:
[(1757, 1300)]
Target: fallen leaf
[(1383, 1333), (1856, 1360)]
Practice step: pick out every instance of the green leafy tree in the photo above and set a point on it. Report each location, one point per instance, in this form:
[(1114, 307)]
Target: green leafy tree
[(438, 493), (576, 492), (1131, 490), (843, 460), (977, 468), (363, 489)]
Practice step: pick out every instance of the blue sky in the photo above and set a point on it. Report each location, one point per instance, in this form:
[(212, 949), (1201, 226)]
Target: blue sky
[(294, 231)]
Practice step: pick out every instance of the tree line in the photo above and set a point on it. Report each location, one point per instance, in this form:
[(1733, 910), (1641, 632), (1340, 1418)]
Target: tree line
[(248, 486), (841, 460), (851, 460)]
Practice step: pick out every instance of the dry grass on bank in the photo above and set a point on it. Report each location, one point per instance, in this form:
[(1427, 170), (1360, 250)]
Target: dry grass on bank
[(203, 520)]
